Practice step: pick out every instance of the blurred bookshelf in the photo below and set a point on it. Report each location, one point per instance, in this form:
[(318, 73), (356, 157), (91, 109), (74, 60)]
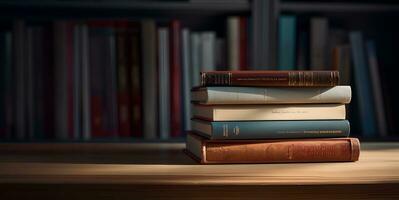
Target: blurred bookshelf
[(79, 68)]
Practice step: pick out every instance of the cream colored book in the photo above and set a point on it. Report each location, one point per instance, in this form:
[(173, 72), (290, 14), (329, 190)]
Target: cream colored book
[(269, 112), (271, 95)]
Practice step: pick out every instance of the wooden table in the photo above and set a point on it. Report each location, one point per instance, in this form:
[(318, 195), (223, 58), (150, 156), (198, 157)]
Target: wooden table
[(130, 171)]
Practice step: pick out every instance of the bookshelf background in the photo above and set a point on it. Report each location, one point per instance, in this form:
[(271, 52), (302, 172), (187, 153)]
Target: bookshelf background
[(375, 20)]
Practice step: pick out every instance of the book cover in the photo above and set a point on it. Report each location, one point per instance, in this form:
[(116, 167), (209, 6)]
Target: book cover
[(287, 43), (175, 80), (245, 130), (270, 78), (207, 151), (271, 95), (363, 85), (164, 83), (270, 112), (149, 77)]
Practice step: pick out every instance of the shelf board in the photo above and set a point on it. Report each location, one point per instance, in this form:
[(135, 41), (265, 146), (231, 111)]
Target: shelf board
[(338, 7), (133, 5)]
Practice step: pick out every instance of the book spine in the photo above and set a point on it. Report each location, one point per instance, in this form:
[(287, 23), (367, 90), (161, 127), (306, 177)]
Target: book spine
[(149, 71), (233, 41), (111, 104), (280, 129), (123, 80), (365, 100), (70, 79), (275, 78), (77, 82), (207, 53), (323, 150), (270, 112), (287, 29), (195, 57), (30, 79), (19, 71), (86, 86), (319, 44), (163, 64), (270, 95), (3, 85), (61, 80), (186, 72), (377, 89), (175, 80), (243, 33), (8, 85), (135, 65)]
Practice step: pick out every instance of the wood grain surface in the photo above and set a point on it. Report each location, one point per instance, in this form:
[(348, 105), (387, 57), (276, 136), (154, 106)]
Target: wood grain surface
[(124, 169)]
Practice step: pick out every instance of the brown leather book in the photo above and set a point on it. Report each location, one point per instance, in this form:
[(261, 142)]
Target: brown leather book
[(270, 78), (208, 151)]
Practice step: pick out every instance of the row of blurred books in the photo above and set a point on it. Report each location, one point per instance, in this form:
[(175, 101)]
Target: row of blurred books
[(81, 80), (314, 44)]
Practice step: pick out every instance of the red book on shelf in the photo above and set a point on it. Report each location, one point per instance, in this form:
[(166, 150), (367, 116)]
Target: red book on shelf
[(124, 105), (134, 53), (243, 43), (175, 80)]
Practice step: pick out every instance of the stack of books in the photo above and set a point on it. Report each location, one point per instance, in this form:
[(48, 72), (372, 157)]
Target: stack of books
[(271, 116)]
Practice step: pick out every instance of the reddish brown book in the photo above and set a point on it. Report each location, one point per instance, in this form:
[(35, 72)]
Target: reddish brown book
[(175, 80), (270, 78), (124, 113), (243, 43), (272, 151)]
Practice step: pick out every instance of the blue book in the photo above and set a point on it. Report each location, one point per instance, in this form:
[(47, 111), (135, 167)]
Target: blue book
[(286, 47), (242, 130), (363, 86)]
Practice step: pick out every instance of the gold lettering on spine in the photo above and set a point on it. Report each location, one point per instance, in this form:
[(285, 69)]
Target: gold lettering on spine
[(225, 130), (236, 130)]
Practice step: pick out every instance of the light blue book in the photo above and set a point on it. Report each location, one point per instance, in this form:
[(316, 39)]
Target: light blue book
[(286, 43), (363, 86)]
